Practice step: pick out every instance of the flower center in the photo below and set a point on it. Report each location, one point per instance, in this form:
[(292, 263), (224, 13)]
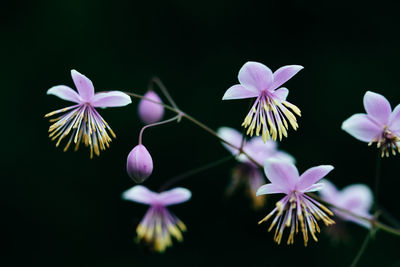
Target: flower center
[(387, 140)]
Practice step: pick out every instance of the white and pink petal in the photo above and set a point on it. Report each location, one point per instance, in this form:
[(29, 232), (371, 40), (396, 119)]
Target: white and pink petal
[(110, 99), (377, 107), (282, 174), (284, 74), (254, 75), (269, 189), (311, 176), (239, 92), (140, 194), (174, 196), (65, 93), (83, 84), (361, 127)]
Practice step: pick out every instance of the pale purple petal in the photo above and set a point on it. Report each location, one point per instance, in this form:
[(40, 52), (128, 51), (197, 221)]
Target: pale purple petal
[(65, 92), (356, 198), (83, 84), (281, 93), (394, 120), (315, 187), (377, 107), (312, 175), (269, 189), (174, 196), (140, 194), (284, 73), (329, 192), (232, 136), (361, 127), (110, 99), (239, 92), (282, 174), (254, 75)]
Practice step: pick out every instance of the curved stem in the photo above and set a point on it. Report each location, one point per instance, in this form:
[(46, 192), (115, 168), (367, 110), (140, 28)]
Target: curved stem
[(193, 172), (198, 123), (361, 251), (163, 89), (155, 124)]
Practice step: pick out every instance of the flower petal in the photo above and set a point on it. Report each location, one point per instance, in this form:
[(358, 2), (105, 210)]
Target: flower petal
[(281, 93), (311, 176), (238, 92), (377, 107), (356, 198), (232, 136), (140, 194), (329, 192), (394, 120), (83, 84), (254, 75), (269, 189), (65, 92), (361, 127), (284, 73), (111, 99), (315, 187), (174, 196), (281, 173)]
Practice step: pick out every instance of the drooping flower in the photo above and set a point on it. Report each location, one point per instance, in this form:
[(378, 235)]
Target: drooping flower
[(139, 164), (159, 224), (296, 209), (247, 173), (270, 113), (82, 120), (356, 198), (150, 112), (380, 125)]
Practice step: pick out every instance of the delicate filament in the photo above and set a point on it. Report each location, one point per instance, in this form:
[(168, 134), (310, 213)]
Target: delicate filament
[(294, 210), (158, 226), (270, 116), (387, 141), (84, 124)]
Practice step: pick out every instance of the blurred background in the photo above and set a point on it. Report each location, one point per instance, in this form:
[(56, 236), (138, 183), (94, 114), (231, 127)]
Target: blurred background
[(63, 209)]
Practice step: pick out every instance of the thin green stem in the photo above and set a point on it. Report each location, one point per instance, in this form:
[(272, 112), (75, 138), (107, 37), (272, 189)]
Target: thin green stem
[(198, 123), (163, 89), (194, 171), (155, 124), (361, 251)]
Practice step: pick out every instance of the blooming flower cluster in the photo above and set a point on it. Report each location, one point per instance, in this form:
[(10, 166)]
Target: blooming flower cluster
[(270, 117)]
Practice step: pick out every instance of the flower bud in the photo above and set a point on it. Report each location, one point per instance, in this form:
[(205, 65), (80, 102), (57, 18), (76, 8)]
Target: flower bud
[(150, 112), (139, 164)]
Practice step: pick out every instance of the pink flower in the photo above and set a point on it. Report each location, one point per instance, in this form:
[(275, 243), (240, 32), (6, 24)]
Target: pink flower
[(158, 225), (296, 208), (139, 164), (82, 120), (380, 125), (247, 173), (356, 198), (270, 112)]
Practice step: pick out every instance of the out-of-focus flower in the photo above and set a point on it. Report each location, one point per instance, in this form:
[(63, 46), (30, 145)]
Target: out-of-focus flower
[(270, 112), (159, 224), (82, 120), (380, 125), (296, 209), (139, 164), (356, 198), (247, 173), (150, 112)]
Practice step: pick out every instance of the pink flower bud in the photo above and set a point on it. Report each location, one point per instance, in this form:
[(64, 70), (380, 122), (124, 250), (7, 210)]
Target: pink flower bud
[(139, 164), (150, 112)]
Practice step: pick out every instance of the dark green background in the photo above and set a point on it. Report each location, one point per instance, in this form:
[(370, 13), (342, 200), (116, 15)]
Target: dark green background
[(63, 209)]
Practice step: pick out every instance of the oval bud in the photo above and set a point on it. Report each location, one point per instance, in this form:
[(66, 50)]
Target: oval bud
[(139, 164), (150, 112)]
